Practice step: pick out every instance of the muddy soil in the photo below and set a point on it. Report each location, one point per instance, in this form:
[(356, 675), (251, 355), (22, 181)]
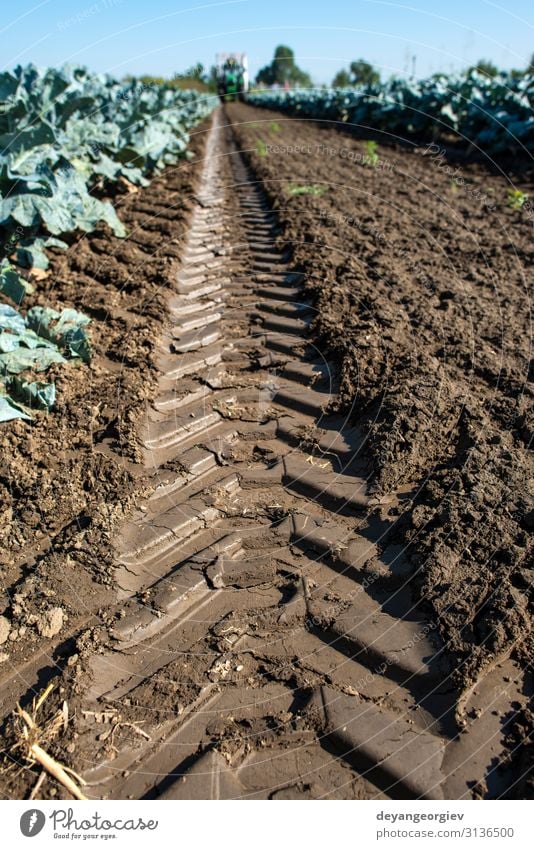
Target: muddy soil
[(418, 270), (264, 482), (67, 479)]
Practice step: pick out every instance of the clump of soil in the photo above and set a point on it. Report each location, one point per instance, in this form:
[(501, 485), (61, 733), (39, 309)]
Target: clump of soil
[(419, 284)]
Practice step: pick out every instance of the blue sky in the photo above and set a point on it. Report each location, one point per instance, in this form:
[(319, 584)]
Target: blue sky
[(164, 36)]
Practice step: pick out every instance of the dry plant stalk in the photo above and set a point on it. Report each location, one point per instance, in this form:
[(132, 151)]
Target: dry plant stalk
[(32, 737), (38, 784)]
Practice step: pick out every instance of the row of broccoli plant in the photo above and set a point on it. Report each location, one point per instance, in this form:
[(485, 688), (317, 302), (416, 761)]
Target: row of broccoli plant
[(494, 114), (29, 345), (63, 134)]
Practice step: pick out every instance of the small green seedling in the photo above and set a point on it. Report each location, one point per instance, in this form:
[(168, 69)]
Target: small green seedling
[(517, 198), (371, 156), (314, 189), (261, 148), (274, 127)]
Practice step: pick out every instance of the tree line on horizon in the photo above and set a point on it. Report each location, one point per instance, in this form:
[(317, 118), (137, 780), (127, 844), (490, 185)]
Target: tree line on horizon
[(283, 70)]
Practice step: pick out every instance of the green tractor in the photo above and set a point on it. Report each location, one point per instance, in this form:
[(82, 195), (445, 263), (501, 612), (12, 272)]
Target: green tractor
[(232, 75)]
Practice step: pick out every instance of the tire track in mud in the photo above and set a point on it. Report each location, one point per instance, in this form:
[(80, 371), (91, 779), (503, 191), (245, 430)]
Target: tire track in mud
[(265, 641)]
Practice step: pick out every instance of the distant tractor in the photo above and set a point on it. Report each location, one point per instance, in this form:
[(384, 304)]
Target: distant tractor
[(232, 75)]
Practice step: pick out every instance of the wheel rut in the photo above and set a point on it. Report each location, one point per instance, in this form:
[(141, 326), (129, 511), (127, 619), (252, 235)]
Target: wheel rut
[(265, 642)]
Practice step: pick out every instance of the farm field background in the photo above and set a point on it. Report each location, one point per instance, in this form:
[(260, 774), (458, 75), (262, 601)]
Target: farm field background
[(176, 268)]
